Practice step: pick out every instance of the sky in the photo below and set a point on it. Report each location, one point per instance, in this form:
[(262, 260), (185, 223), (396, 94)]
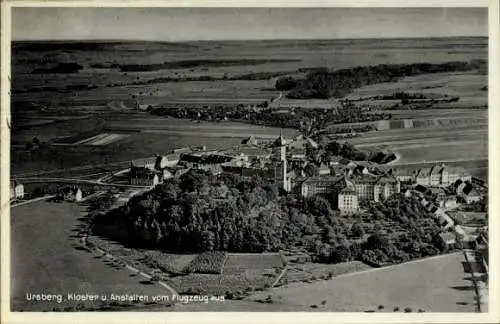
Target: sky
[(184, 24)]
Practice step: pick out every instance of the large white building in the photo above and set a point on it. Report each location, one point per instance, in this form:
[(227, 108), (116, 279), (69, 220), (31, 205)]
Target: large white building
[(439, 175)]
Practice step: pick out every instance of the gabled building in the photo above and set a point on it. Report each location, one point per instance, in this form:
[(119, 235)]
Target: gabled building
[(441, 175)]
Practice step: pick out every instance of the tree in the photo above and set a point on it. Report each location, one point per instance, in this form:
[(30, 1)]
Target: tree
[(285, 83), (318, 206), (358, 230), (193, 180), (333, 148), (340, 254), (348, 150), (377, 241)]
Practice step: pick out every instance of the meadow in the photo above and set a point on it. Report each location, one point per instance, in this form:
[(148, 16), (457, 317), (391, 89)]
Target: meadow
[(445, 289), (57, 264)]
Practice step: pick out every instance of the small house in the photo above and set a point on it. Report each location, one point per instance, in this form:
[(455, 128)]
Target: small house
[(471, 194), (16, 190), (72, 194), (449, 239)]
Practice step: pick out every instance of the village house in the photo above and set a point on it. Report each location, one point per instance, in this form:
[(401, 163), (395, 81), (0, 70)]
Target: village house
[(470, 194), (449, 239), (16, 190)]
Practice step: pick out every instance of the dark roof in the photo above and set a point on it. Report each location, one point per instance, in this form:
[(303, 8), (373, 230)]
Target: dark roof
[(349, 190), (468, 188), (420, 188), (205, 158)]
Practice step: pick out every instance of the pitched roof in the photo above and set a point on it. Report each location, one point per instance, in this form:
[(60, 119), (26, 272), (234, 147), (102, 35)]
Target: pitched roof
[(448, 237), (348, 190), (249, 141), (467, 189)]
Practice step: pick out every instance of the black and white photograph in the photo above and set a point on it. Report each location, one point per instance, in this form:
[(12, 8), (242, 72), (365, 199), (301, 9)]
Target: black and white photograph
[(252, 159)]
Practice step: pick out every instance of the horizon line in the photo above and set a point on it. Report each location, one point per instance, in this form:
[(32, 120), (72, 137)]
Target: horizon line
[(237, 40)]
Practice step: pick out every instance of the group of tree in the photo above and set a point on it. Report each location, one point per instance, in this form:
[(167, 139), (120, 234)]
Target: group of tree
[(59, 68), (326, 151), (189, 215), (324, 83)]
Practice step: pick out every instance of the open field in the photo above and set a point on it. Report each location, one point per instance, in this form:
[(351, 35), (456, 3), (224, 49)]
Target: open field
[(144, 135), (312, 271), (464, 85), (434, 285), (46, 258), (289, 57)]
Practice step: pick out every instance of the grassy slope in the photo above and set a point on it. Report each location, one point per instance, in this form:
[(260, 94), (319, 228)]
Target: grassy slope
[(44, 259), (436, 284)]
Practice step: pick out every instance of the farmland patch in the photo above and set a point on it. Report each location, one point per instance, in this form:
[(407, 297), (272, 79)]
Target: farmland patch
[(242, 262)]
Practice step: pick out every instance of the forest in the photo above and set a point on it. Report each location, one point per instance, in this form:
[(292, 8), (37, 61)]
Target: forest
[(323, 83)]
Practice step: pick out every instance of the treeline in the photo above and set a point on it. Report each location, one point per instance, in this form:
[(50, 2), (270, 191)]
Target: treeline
[(324, 84), (71, 87), (190, 215), (59, 68), (184, 64)]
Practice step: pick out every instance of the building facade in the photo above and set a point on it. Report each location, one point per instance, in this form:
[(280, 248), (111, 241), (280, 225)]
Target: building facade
[(441, 175), (348, 201)]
